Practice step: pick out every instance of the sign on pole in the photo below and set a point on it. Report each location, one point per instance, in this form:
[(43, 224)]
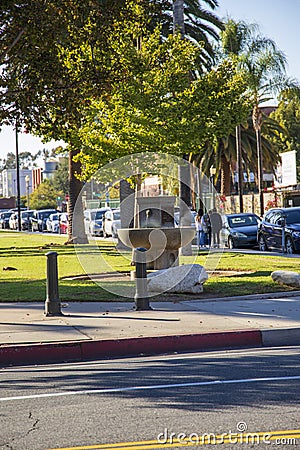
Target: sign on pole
[(287, 176)]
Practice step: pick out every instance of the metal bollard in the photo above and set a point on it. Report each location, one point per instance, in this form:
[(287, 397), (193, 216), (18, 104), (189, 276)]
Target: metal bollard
[(52, 304), (283, 235), (141, 293)]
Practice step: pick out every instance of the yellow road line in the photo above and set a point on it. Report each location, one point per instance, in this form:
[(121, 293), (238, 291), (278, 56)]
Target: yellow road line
[(204, 439)]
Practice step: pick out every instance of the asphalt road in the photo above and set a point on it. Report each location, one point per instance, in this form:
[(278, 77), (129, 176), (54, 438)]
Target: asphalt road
[(230, 396)]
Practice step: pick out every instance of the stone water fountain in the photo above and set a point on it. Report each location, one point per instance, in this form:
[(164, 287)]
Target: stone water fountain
[(156, 232)]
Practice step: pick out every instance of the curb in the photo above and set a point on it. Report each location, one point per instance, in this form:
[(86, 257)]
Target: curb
[(266, 296), (76, 351), (90, 350)]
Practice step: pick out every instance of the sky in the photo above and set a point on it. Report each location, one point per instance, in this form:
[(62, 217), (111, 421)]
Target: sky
[(277, 19)]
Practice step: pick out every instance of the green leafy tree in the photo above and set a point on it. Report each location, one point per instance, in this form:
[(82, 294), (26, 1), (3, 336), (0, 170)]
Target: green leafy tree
[(56, 55), (44, 196), (26, 160), (159, 108), (9, 162), (60, 178)]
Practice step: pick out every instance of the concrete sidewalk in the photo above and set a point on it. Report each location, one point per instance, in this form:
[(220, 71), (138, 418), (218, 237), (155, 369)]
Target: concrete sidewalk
[(101, 330)]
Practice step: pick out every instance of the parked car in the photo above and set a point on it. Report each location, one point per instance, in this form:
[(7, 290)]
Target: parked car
[(93, 221), (193, 215), (13, 221), (52, 223), (192, 218), (112, 222), (39, 218), (279, 228), (4, 219), (240, 230), (63, 223), (25, 220)]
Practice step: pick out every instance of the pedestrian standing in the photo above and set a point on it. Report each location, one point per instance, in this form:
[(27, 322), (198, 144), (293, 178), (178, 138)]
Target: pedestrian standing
[(216, 227), (199, 229), (207, 229)]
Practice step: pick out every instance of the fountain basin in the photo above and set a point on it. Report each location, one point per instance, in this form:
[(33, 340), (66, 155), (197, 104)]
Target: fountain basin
[(157, 238)]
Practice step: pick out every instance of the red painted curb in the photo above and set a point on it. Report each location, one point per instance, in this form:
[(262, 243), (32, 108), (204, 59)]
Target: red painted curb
[(39, 353), (88, 350)]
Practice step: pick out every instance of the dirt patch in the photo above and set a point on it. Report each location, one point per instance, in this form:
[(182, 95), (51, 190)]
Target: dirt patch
[(109, 276), (229, 273)]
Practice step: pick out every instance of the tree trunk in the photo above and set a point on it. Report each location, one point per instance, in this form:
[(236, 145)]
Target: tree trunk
[(178, 17), (76, 232), (225, 177)]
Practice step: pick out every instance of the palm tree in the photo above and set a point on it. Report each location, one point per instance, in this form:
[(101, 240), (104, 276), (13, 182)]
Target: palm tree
[(264, 65), (222, 154), (178, 17), (194, 21)]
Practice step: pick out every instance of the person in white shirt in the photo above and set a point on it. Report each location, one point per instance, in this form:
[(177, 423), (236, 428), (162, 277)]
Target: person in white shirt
[(199, 222)]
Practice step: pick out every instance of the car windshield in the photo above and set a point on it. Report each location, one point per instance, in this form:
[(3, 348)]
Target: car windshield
[(116, 216), (54, 217), (293, 217), (26, 214), (6, 215), (99, 215), (46, 214), (242, 221)]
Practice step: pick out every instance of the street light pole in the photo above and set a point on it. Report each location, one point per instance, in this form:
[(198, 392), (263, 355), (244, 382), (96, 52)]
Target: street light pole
[(18, 179), (260, 173), (212, 172), (239, 166), (27, 179), (257, 120)]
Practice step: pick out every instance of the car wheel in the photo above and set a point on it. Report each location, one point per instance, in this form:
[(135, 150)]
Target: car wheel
[(105, 235), (114, 234), (231, 243), (262, 244), (289, 246)]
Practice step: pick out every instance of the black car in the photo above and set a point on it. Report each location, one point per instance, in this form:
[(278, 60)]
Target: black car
[(280, 230), (240, 230), (39, 218), (26, 219)]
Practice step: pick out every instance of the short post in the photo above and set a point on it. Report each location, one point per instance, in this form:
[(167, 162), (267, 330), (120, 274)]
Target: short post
[(52, 304), (283, 234), (141, 293)]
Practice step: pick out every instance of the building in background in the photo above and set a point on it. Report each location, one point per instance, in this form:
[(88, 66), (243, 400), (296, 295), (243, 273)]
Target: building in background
[(37, 177), (50, 167), (9, 182)]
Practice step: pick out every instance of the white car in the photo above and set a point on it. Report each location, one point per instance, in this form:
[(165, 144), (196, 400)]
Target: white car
[(25, 220), (52, 223), (93, 221), (13, 221), (112, 222)]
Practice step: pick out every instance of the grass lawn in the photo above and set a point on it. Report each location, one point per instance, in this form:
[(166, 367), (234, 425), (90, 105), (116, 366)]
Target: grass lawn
[(234, 274)]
